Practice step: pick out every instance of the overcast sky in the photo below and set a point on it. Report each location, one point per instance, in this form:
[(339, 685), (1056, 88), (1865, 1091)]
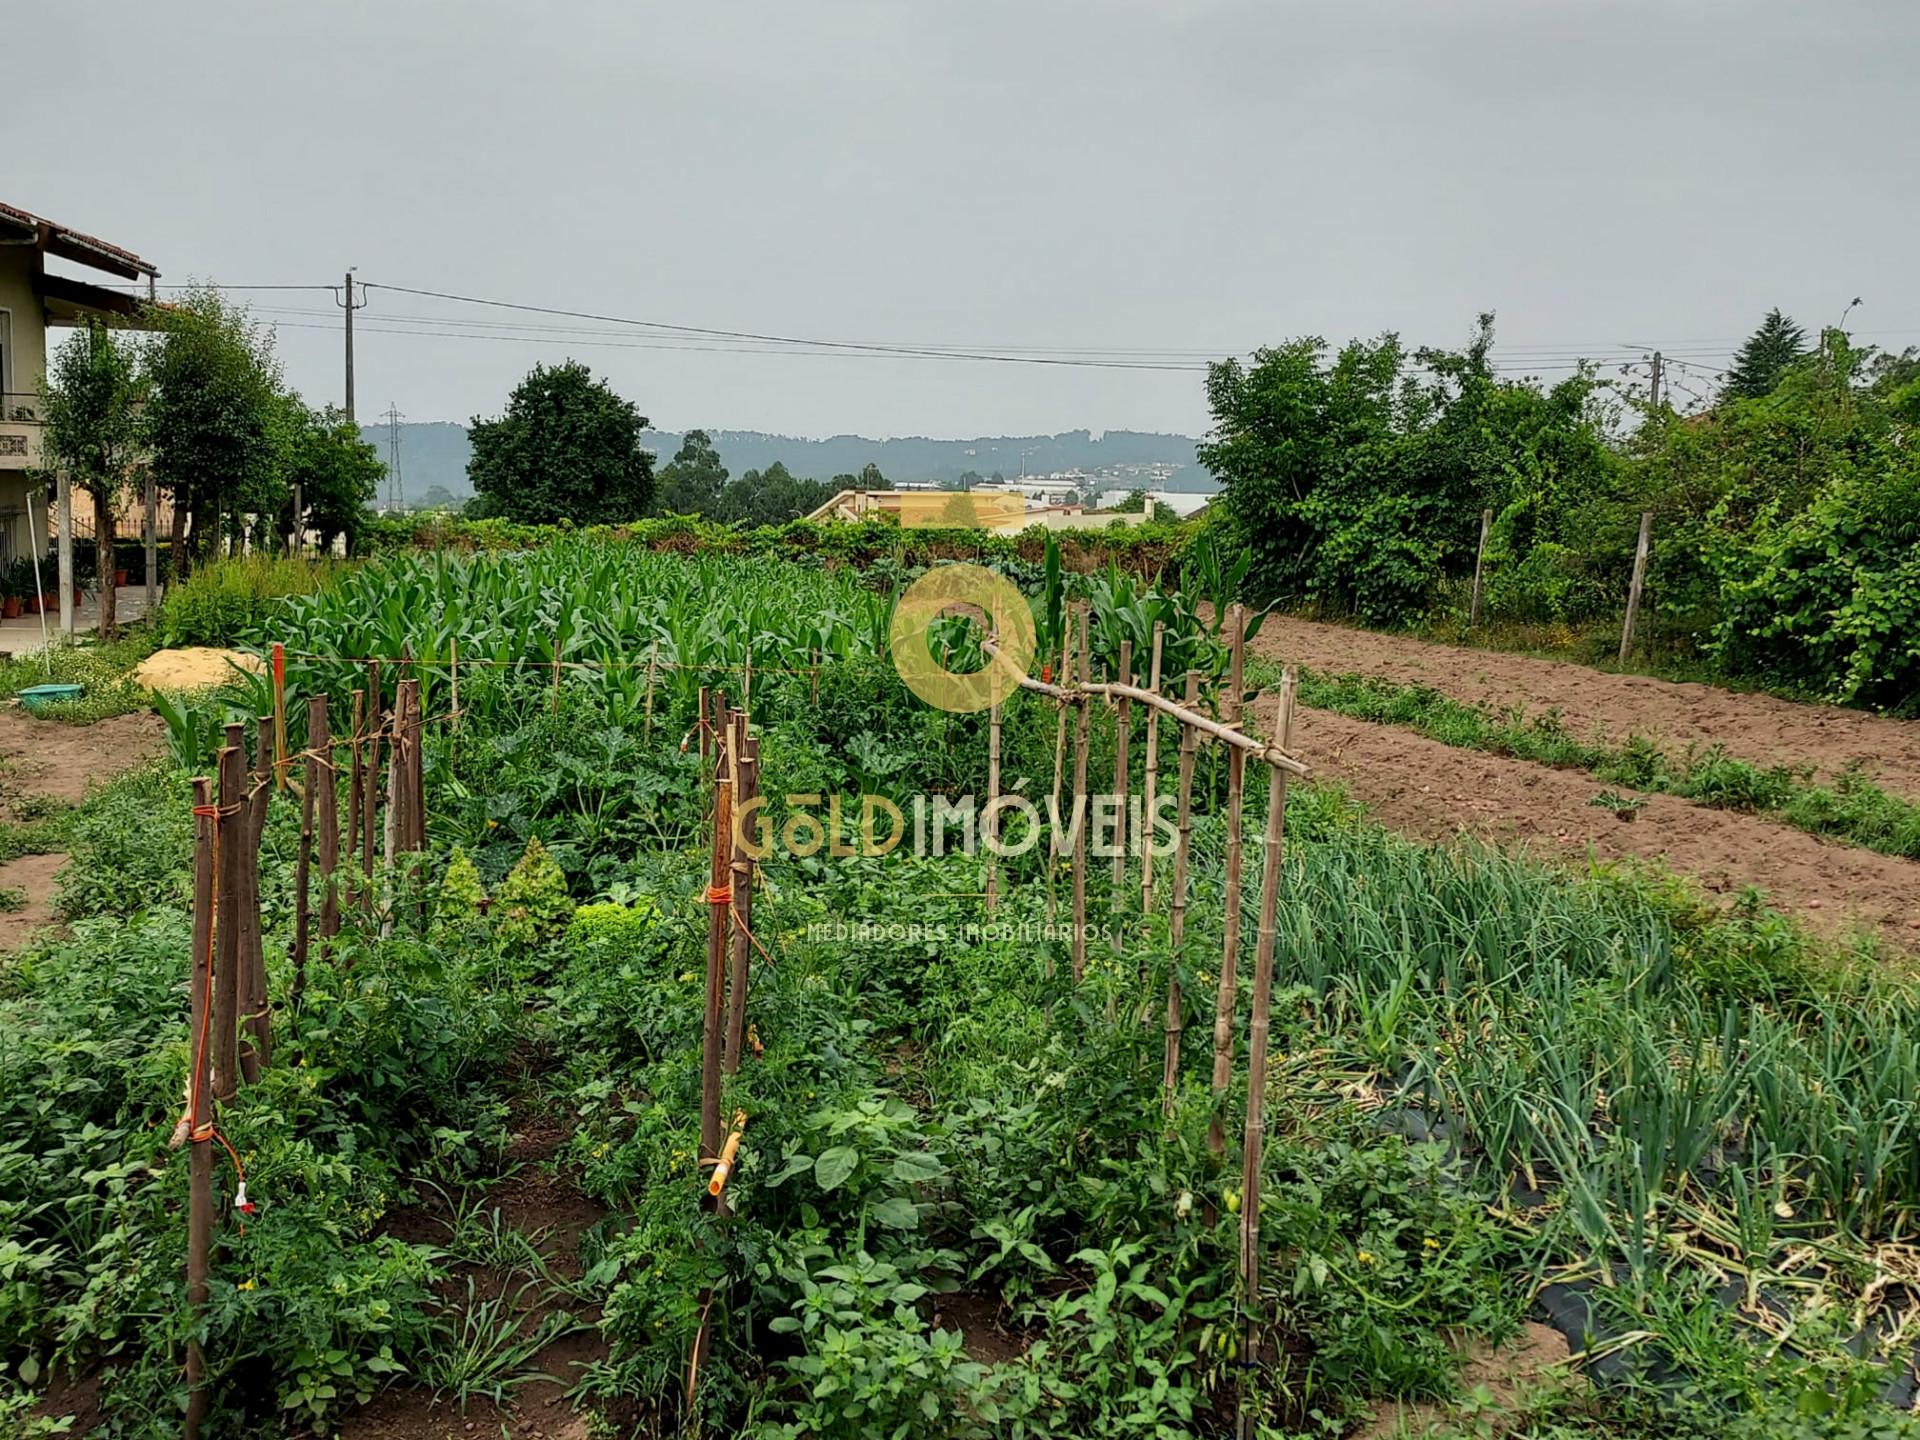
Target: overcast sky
[(1181, 177)]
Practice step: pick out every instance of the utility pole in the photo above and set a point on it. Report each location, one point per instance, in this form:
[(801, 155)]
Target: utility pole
[(350, 306), (1659, 370), (396, 493)]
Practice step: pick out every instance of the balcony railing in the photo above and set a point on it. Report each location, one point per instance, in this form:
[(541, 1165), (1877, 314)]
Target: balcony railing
[(19, 429)]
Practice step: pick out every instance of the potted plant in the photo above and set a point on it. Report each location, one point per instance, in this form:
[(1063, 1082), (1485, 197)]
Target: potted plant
[(9, 598)]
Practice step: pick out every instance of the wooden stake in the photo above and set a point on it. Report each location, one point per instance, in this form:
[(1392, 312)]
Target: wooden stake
[(199, 1108), (719, 901), (303, 864), (1059, 769), (453, 678), (653, 664), (1122, 737), (280, 760), (746, 778), (1228, 997), (1080, 810), (700, 730), (1479, 568), (1151, 785), (1255, 1142), (323, 781), (257, 1048), (993, 814), (1177, 906), (1639, 580), (226, 955), (555, 707)]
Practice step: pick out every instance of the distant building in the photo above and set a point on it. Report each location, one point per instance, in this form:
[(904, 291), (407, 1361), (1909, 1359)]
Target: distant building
[(31, 300)]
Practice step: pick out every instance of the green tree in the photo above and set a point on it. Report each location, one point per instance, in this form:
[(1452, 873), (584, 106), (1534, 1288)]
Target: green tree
[(691, 483), (567, 448), (214, 423), (1358, 478), (1760, 362), (91, 397), (870, 478), (771, 497), (335, 473)]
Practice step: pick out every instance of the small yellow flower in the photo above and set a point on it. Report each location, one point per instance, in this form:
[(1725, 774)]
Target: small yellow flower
[(493, 824), (1365, 1257), (1430, 1243), (244, 1285)]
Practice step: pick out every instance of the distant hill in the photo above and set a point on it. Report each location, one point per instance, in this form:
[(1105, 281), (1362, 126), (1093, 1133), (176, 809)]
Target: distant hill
[(436, 454)]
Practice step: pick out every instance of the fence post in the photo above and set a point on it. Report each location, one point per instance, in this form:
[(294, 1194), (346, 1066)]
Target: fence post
[(1479, 568), (1639, 580)]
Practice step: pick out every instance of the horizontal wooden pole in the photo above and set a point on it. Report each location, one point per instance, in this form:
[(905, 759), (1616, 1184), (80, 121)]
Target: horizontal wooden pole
[(1255, 747)]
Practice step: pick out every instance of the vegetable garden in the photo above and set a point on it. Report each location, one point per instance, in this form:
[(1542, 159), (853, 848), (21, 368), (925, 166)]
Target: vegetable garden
[(988, 1172)]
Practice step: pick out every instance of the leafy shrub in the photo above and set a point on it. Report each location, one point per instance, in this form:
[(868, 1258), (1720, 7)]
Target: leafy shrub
[(531, 906), (223, 603)]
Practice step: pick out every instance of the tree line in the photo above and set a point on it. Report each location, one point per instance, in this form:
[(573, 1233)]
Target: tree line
[(568, 448), (1787, 505)]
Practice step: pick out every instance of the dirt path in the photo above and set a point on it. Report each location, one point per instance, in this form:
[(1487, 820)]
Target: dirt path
[(1433, 791), (1758, 728), (45, 759)]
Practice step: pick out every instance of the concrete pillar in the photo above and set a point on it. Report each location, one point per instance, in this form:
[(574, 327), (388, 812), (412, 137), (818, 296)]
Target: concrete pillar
[(66, 555)]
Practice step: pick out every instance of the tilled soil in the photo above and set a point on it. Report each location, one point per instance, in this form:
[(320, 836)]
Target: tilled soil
[(1758, 728), (1433, 791)]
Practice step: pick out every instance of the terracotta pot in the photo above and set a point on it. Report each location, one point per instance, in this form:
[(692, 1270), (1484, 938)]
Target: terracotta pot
[(119, 579), (10, 608)]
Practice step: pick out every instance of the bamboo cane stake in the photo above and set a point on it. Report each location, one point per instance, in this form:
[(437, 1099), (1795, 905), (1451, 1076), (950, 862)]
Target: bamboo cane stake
[(1177, 903), (993, 814), (1228, 997), (280, 757), (1253, 1148), (1122, 737), (700, 731), (357, 727), (453, 676), (653, 665), (1059, 769), (200, 1102), (555, 704), (323, 780), (719, 901), (1080, 811), (226, 955), (259, 1012), (746, 780), (303, 865), (1151, 784)]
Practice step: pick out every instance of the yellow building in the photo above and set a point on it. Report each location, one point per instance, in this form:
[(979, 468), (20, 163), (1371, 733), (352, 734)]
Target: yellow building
[(32, 299)]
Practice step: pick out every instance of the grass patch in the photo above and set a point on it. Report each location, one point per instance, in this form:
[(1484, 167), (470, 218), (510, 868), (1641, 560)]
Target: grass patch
[(102, 667), (1850, 808)]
